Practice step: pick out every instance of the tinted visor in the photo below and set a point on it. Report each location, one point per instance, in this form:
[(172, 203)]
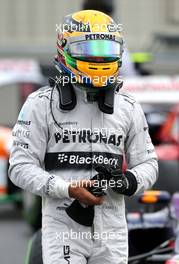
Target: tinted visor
[(97, 59), (96, 48)]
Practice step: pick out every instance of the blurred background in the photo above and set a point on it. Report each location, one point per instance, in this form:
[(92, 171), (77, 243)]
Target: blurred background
[(150, 70), (28, 28)]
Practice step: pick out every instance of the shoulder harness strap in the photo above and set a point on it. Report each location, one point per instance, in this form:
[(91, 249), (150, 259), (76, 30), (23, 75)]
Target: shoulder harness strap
[(106, 99), (67, 97)]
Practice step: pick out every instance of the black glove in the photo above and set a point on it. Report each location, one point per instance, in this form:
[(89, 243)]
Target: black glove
[(101, 182), (122, 183), (118, 182)]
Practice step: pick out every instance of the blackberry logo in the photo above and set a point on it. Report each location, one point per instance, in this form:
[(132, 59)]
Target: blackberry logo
[(80, 160), (62, 157)]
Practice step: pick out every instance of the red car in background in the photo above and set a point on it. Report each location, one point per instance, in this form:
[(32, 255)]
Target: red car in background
[(168, 152)]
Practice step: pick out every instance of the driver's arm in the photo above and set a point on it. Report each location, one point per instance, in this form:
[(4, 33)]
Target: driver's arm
[(140, 153), (30, 137)]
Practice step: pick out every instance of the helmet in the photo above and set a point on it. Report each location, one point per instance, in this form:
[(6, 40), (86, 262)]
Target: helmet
[(89, 48)]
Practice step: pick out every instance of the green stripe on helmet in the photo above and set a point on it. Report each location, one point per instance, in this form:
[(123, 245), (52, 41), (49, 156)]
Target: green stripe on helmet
[(70, 61)]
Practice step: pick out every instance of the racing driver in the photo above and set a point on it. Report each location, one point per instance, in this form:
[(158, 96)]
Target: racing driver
[(65, 130)]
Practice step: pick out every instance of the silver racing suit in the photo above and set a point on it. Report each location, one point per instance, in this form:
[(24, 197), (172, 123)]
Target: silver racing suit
[(45, 158)]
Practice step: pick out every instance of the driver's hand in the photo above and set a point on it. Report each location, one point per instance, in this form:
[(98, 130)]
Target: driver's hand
[(79, 191)]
